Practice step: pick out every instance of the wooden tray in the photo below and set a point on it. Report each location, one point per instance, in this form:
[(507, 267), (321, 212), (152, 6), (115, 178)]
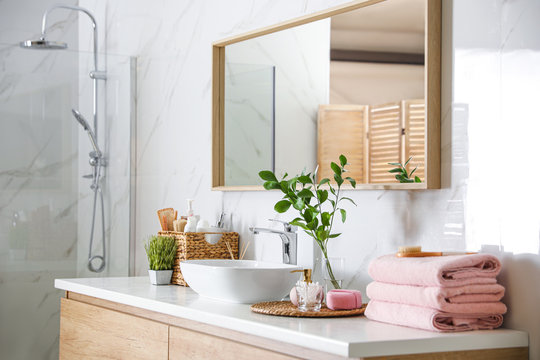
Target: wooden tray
[(287, 308)]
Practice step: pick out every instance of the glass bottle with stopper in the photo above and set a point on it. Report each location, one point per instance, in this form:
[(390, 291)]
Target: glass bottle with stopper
[(309, 294)]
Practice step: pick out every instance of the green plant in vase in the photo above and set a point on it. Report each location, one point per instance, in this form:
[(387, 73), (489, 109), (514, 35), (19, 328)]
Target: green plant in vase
[(317, 205)]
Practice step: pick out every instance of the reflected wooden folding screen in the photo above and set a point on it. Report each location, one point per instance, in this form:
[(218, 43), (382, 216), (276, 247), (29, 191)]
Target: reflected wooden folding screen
[(371, 137), (384, 141), (341, 130), (414, 141)]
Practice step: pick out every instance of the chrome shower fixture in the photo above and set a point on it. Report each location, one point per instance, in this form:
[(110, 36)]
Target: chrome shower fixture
[(86, 127), (97, 160), (43, 44)]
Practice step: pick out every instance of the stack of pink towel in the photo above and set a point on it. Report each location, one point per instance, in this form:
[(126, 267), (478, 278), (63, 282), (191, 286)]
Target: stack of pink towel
[(444, 293)]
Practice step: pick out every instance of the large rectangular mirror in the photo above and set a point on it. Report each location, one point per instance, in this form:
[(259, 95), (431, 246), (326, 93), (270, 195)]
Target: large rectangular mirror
[(362, 79)]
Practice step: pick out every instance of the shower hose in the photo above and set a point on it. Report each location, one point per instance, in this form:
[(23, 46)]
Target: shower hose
[(96, 187)]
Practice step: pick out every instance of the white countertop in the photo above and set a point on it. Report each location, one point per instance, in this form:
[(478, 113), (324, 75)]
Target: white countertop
[(352, 337)]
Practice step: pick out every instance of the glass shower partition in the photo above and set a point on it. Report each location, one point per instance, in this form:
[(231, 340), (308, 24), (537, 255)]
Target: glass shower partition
[(45, 199), (249, 122)]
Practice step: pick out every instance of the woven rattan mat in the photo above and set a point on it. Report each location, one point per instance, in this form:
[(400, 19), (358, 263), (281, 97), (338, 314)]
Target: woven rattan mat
[(287, 308)]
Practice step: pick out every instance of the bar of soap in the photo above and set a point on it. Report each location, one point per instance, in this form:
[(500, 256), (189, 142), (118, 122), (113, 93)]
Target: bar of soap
[(343, 299)]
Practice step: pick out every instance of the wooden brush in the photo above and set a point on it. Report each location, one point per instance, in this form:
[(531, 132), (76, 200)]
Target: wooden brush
[(416, 251), (244, 250), (230, 249)]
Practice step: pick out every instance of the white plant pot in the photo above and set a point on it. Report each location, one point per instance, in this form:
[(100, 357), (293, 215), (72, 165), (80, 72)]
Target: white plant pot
[(160, 277)]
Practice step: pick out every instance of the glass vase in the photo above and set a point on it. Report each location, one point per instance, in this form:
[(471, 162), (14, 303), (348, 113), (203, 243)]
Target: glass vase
[(333, 272)]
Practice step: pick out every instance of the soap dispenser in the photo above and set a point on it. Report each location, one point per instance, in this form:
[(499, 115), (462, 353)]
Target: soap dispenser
[(192, 219), (309, 294)]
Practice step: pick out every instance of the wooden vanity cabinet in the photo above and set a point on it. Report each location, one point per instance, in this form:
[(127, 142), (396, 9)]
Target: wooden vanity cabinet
[(88, 331), (92, 328)]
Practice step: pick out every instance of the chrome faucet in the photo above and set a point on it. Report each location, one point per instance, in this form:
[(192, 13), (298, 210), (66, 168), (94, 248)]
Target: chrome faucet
[(288, 238)]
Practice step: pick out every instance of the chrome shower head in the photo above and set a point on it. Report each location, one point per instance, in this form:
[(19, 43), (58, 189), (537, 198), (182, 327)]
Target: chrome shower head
[(42, 44), (80, 119), (86, 127)]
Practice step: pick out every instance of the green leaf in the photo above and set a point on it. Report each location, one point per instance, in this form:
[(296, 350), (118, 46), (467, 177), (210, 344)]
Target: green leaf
[(282, 206), (417, 179), (342, 160), (284, 176), (298, 222), (395, 164), (325, 218), (322, 235), (407, 161), (339, 179), (343, 215), (312, 225), (332, 202), (334, 236), (299, 204), (304, 179), (322, 195), (395, 170), (352, 181), (413, 171), (267, 175), (305, 193), (335, 167), (271, 185), (324, 181), (284, 186), (332, 190), (291, 184), (349, 199), (308, 215)]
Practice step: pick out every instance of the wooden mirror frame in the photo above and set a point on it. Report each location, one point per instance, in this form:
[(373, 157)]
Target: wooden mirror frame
[(432, 87)]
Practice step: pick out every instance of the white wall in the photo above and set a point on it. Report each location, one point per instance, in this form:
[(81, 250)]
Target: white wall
[(372, 84), (489, 45)]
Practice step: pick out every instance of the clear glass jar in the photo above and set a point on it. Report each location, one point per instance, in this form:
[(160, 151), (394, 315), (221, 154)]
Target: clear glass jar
[(309, 295)]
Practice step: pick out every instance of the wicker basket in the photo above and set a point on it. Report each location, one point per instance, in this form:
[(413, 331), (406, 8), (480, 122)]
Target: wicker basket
[(194, 246)]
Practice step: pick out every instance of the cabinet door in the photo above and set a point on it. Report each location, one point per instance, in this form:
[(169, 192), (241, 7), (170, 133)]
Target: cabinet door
[(188, 344), (88, 331)]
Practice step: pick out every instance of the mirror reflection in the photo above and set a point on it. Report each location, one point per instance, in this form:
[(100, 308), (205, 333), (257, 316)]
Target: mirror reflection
[(351, 84)]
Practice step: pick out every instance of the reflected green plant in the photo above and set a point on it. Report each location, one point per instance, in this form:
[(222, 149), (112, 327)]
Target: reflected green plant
[(401, 173)]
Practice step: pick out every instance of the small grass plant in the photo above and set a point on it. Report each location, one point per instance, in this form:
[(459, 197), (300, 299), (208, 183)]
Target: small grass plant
[(160, 251)]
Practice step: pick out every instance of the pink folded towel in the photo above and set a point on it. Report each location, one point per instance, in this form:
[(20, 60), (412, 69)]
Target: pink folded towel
[(456, 270), (429, 319), (468, 299)]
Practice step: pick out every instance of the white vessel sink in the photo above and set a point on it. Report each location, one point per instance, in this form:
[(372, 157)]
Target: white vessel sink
[(239, 281)]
